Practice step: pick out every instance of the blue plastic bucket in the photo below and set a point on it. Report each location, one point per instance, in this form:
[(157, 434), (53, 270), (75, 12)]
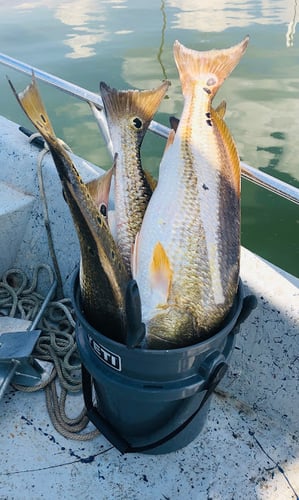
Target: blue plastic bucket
[(151, 401)]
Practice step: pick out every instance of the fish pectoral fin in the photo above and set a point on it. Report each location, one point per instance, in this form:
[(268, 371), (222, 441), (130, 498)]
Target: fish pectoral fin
[(31, 102), (161, 273)]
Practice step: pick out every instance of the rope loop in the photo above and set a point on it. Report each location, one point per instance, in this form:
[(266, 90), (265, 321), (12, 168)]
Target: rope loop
[(20, 298)]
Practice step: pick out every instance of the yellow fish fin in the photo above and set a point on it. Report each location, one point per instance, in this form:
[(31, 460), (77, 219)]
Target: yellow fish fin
[(34, 108), (231, 149), (221, 109), (161, 273), (208, 68)]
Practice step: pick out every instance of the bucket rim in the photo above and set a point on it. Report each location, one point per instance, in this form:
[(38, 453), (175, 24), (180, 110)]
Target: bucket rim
[(227, 325)]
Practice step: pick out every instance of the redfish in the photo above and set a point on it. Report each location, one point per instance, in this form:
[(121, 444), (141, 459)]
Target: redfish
[(186, 256), (103, 277), (128, 114)]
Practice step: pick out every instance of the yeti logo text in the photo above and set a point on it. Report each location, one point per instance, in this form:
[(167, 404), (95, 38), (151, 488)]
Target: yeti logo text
[(108, 357)]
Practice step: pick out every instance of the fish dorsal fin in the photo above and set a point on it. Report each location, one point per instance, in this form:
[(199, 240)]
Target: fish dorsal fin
[(221, 109), (160, 273), (209, 68), (170, 139)]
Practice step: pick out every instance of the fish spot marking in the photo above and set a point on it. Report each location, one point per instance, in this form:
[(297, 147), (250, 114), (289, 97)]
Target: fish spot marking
[(137, 123), (205, 187), (99, 219), (209, 122), (208, 91), (103, 209), (211, 81)]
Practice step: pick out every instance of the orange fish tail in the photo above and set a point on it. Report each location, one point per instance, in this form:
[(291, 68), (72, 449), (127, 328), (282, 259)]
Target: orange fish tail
[(32, 104), (142, 103), (209, 68)]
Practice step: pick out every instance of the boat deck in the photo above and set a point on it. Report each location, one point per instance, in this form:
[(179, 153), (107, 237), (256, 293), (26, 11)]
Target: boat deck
[(248, 448)]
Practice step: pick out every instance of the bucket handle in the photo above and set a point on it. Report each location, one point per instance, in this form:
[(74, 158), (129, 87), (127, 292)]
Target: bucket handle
[(113, 435)]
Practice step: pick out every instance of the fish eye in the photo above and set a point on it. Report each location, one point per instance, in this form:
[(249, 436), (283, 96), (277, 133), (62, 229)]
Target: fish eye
[(103, 209), (137, 123)]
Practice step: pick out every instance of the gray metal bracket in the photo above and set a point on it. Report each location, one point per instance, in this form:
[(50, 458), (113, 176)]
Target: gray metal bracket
[(16, 361)]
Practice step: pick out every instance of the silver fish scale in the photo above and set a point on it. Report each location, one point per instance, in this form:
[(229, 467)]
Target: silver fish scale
[(194, 276), (132, 197)]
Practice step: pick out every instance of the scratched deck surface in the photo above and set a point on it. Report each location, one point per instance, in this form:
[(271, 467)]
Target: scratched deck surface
[(249, 447)]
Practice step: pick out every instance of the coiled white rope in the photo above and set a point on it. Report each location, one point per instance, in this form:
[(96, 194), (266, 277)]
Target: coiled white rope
[(20, 299), (57, 342)]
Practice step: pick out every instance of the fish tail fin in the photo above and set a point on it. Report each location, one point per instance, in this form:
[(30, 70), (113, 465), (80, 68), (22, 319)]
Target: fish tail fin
[(209, 68), (139, 105), (32, 104)]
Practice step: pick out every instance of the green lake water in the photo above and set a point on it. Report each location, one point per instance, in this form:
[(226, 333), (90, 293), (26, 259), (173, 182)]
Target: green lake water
[(128, 44)]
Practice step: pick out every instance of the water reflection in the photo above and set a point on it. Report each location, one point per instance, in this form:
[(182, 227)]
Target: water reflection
[(161, 48), (292, 27), (88, 20), (132, 41), (224, 14)]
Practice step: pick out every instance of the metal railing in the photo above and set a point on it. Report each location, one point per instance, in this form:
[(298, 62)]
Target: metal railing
[(254, 175)]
